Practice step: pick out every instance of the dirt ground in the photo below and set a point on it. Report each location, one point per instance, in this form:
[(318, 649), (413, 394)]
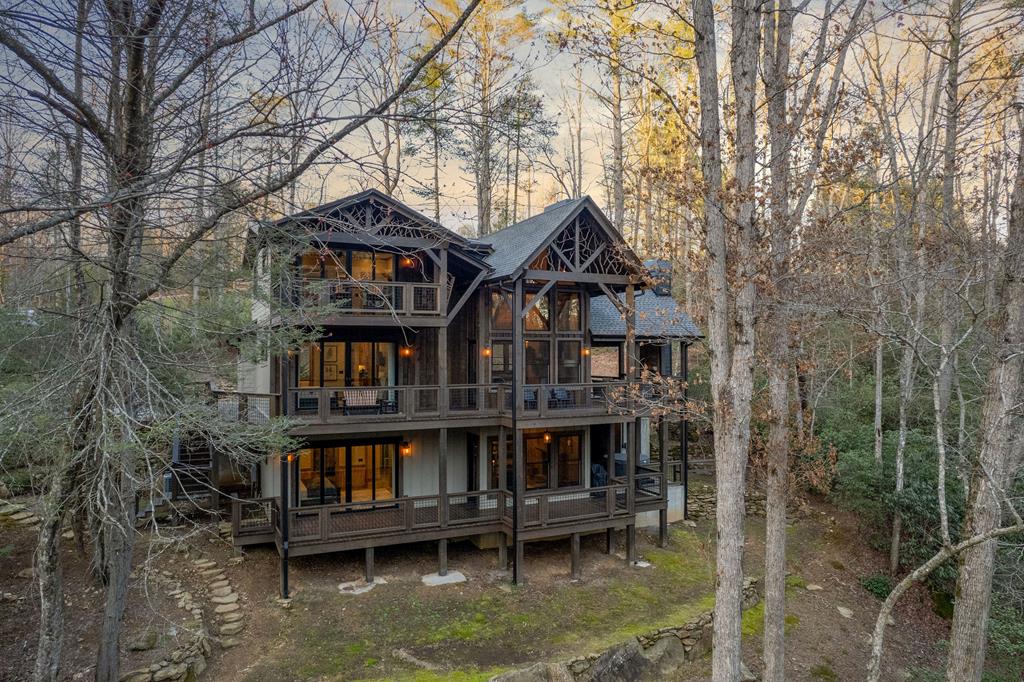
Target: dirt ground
[(404, 630)]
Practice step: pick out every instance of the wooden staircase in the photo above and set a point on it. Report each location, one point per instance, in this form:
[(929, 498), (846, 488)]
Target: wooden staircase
[(191, 466)]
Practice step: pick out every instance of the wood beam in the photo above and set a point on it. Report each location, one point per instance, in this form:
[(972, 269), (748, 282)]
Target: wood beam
[(614, 298), (581, 277), (537, 298), (465, 296), (592, 257)]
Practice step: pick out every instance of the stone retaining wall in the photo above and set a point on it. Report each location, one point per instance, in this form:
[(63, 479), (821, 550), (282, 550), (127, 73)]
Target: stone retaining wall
[(651, 656)]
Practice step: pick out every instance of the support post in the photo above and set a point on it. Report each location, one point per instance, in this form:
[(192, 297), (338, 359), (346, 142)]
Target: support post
[(369, 564), (503, 552), (518, 465), (609, 541), (574, 541), (442, 477), (631, 544), (442, 556), (684, 428), (285, 466), (663, 528)]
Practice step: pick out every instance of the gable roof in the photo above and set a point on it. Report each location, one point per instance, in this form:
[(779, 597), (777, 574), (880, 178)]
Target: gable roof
[(515, 247), (657, 317)]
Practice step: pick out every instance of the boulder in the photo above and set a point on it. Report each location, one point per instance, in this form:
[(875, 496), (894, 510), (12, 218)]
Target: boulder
[(229, 598), (538, 672), (144, 641)]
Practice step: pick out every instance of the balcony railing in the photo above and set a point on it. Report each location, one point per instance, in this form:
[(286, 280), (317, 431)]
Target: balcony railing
[(258, 520), (408, 403), (366, 297), (542, 400)]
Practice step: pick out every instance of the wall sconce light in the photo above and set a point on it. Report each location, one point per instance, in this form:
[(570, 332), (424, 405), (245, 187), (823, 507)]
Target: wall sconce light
[(547, 437), (486, 351), (407, 262), (291, 457), (405, 449), (586, 351), (406, 351)]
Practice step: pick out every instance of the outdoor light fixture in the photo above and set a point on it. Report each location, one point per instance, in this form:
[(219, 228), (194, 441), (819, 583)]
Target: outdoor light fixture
[(586, 351), (547, 437), (486, 351), (406, 351), (405, 449), (291, 456), (407, 262)]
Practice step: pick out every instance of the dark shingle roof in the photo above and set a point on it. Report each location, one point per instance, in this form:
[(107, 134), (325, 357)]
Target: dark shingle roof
[(656, 317), (514, 244)]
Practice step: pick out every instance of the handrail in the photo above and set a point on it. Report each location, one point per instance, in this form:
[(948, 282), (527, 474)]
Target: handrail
[(370, 296)]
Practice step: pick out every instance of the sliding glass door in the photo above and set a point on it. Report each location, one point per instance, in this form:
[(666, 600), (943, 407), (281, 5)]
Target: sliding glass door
[(356, 472)]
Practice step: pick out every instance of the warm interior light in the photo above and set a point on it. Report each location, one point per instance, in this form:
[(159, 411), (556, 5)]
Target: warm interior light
[(487, 351), (291, 456), (547, 437), (405, 448)]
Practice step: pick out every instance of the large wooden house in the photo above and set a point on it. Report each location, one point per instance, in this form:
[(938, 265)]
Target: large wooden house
[(484, 388)]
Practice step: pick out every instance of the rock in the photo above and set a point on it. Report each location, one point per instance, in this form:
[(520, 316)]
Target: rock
[(665, 656), (538, 672), (690, 523), (20, 516), (623, 662), (229, 598), (232, 628), (228, 642), (144, 641), (171, 672), (889, 620), (210, 572), (25, 573), (226, 608), (222, 591), (745, 674), (141, 675), (68, 535), (232, 617), (217, 584), (283, 603), (811, 587), (844, 612), (235, 560)]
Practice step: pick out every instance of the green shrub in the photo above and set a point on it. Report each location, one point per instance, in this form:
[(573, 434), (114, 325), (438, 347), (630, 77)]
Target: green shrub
[(878, 585)]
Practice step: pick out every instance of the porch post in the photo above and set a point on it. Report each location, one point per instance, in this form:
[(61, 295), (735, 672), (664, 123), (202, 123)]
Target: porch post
[(442, 556), (285, 466), (519, 469), (663, 512), (574, 541), (502, 551), (684, 427), (442, 477), (609, 540), (369, 564), (631, 544)]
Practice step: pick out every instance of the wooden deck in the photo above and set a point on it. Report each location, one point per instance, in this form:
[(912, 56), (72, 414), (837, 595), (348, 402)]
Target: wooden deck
[(340, 527)]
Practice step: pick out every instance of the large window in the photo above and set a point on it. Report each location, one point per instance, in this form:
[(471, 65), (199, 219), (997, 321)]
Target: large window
[(492, 446), (538, 361), (538, 318), (501, 310), (569, 362), (337, 364), (570, 460), (360, 265), (358, 472), (538, 462), (501, 362), (568, 307)]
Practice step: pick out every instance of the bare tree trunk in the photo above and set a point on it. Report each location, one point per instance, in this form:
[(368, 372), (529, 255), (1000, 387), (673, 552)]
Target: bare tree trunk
[(1000, 429), (119, 541), (618, 170), (906, 392), (731, 310)]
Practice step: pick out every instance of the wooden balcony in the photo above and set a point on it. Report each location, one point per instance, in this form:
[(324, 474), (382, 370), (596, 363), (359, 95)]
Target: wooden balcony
[(358, 297), (338, 527), (362, 404)]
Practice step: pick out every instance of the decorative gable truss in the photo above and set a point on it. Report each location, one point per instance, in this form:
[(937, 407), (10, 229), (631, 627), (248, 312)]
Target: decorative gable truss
[(588, 249)]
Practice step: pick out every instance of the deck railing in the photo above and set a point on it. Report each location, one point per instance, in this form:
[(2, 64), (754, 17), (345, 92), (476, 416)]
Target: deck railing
[(404, 515), (253, 519), (368, 297), (252, 408), (563, 506), (544, 400)]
